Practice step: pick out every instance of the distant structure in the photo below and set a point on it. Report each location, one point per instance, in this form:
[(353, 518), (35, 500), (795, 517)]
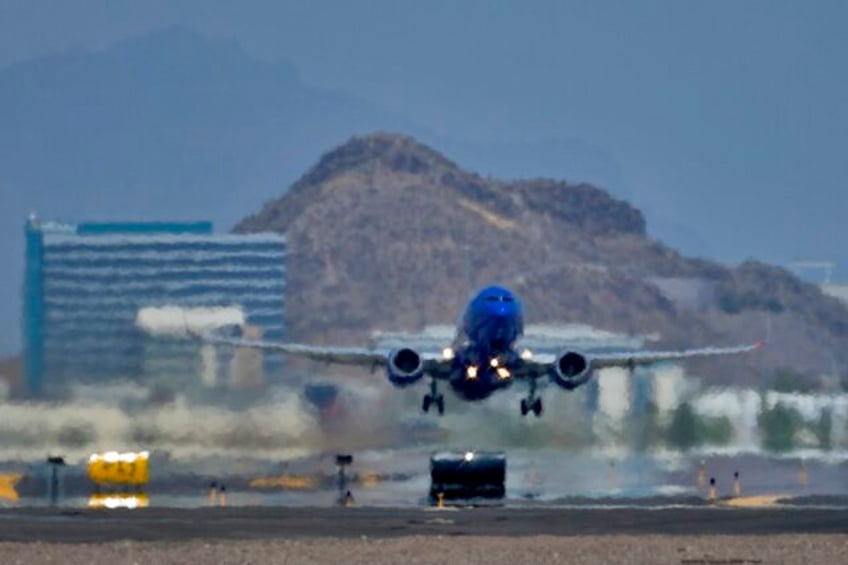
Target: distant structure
[(838, 291), (102, 301), (825, 266), (828, 286)]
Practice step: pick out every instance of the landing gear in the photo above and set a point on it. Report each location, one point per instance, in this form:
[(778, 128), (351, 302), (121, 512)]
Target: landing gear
[(434, 397), (439, 401), (532, 403), (537, 407)]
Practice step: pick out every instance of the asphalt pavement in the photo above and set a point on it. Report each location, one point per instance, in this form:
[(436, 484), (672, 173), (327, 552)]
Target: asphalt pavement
[(179, 524)]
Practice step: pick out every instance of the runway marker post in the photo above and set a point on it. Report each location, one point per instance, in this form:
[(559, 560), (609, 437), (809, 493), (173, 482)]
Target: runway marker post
[(611, 480), (343, 460), (802, 475), (54, 486), (737, 485), (222, 496), (702, 474), (711, 496), (213, 494)]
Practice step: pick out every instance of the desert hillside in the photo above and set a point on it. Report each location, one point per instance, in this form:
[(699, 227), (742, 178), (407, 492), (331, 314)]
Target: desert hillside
[(386, 233)]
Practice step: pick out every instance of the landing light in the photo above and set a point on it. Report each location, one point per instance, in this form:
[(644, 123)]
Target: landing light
[(469, 456), (448, 353), (494, 362), (471, 372), (526, 354), (503, 373)]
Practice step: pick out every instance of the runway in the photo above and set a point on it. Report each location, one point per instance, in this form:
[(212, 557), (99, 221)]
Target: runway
[(264, 523)]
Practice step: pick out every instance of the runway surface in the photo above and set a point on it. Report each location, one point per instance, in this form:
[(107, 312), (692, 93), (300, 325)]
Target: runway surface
[(400, 478), (255, 523)]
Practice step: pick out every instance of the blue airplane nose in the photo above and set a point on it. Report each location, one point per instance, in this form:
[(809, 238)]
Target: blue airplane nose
[(501, 309)]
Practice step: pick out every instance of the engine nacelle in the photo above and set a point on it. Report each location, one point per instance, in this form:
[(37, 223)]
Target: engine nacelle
[(405, 367), (572, 369)]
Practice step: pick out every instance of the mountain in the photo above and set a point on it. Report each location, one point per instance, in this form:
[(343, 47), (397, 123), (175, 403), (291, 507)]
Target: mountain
[(178, 125), (169, 125), (387, 233)]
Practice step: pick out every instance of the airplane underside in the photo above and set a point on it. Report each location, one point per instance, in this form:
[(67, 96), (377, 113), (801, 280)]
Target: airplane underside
[(480, 387)]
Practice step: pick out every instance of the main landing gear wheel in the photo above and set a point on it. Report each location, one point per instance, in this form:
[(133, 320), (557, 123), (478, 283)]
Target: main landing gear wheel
[(537, 407), (530, 405), (438, 400), (433, 398)]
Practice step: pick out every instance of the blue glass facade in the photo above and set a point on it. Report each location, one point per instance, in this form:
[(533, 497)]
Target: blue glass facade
[(86, 285)]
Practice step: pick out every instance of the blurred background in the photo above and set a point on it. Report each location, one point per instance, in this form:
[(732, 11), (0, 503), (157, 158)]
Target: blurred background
[(660, 174)]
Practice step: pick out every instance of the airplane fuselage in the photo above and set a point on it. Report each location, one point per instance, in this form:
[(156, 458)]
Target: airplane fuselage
[(485, 346)]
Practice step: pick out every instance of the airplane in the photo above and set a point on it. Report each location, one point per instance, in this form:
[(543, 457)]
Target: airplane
[(484, 357)]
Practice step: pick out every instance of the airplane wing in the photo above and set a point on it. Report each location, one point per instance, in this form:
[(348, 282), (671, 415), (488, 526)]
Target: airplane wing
[(358, 356), (542, 364), (632, 359), (434, 365), (438, 367)]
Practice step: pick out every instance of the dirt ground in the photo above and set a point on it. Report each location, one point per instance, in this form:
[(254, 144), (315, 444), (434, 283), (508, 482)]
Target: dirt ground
[(690, 550)]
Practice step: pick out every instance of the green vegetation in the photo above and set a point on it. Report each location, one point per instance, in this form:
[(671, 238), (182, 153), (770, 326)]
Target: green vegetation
[(823, 429), (787, 380), (734, 301), (683, 431), (688, 430), (779, 427), (716, 431), (643, 431)]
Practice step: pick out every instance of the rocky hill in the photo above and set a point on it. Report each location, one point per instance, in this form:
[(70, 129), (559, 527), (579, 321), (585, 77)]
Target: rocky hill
[(387, 233)]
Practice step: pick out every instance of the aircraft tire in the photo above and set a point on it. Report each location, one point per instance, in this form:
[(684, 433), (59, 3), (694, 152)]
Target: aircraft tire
[(425, 404), (440, 404), (524, 407), (537, 407)]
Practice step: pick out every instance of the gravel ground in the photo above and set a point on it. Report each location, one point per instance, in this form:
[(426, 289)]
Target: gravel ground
[(800, 548)]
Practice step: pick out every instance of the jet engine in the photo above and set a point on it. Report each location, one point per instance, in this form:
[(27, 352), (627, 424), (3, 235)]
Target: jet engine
[(405, 367), (571, 370)]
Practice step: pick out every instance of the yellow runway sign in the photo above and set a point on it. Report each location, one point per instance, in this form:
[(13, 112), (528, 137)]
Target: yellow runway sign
[(116, 468)]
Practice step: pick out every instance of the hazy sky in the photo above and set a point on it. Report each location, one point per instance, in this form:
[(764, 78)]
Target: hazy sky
[(728, 120)]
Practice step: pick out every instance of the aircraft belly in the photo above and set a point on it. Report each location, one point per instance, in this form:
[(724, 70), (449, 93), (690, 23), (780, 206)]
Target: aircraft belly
[(479, 388)]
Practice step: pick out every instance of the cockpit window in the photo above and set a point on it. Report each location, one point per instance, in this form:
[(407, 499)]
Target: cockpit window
[(499, 298), (493, 298)]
